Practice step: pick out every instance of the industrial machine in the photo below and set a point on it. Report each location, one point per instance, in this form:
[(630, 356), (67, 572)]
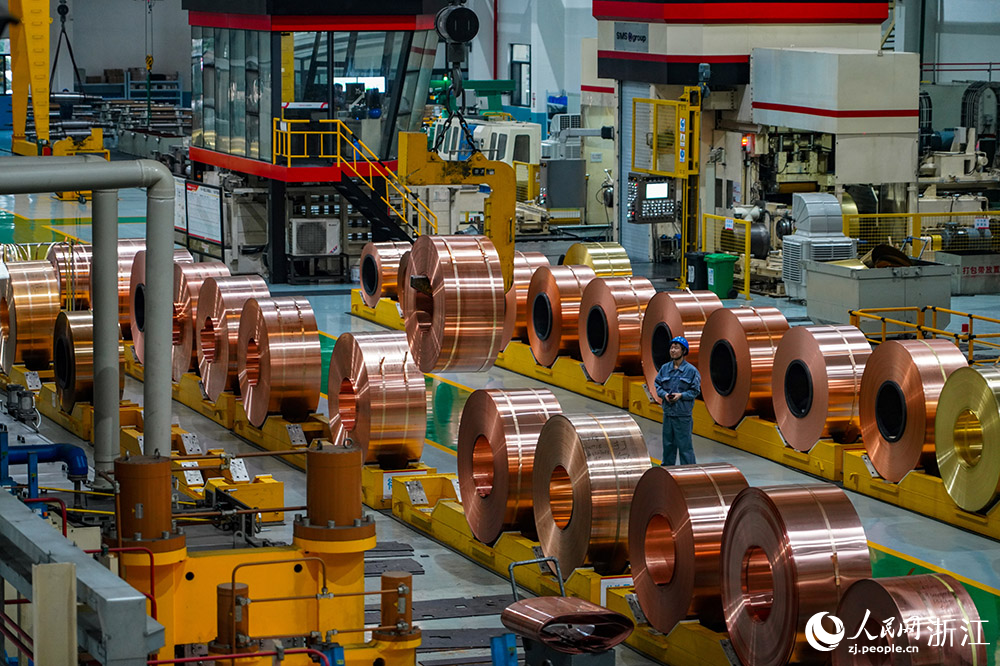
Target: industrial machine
[(819, 236)]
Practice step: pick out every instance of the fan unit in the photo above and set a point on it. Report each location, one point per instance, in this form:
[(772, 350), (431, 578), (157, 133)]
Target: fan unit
[(313, 237), (818, 236)]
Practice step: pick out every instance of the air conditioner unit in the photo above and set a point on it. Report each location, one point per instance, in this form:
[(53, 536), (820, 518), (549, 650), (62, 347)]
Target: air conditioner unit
[(313, 237)]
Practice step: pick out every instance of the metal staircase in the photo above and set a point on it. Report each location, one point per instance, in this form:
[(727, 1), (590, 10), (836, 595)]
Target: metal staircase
[(889, 29)]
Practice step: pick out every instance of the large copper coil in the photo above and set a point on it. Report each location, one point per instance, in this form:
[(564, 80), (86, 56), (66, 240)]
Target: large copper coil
[(815, 384), (585, 470), (73, 359), (278, 359), (377, 397), (217, 328), (736, 358), (29, 303), (137, 297), (403, 279), (567, 624), (127, 249), (966, 436), (515, 314), (675, 541), (554, 296), (607, 259), (903, 613), (380, 270), (496, 453), (899, 399), (610, 325), (669, 314), (788, 552), (455, 320), (72, 263), (188, 279)]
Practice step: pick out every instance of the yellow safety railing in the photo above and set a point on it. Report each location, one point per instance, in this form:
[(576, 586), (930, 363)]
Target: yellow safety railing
[(527, 178), (340, 145), (922, 233), (720, 234), (926, 326)]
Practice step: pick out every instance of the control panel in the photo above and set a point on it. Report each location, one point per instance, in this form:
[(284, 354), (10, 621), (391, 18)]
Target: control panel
[(652, 199)]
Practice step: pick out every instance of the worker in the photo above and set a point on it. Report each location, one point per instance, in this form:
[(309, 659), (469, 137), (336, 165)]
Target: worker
[(678, 384)]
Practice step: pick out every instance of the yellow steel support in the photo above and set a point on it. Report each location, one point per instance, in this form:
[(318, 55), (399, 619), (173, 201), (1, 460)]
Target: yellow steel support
[(386, 312), (29, 46), (287, 67)]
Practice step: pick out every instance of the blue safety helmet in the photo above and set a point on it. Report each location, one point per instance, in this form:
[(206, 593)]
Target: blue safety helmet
[(682, 342)]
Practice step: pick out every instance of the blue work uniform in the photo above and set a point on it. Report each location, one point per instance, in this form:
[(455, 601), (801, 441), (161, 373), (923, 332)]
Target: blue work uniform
[(677, 424)]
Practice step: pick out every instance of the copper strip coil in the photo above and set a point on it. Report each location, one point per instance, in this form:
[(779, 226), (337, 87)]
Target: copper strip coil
[(736, 359), (278, 359), (567, 624), (137, 297), (585, 470), (377, 397), (669, 314), (899, 398), (380, 270), (815, 384), (458, 325), (515, 314), (188, 279), (606, 259), (966, 437), (127, 249), (496, 452), (675, 541), (610, 325), (925, 604), (217, 328), (403, 278), (554, 296), (788, 552), (73, 359), (72, 263), (29, 304)]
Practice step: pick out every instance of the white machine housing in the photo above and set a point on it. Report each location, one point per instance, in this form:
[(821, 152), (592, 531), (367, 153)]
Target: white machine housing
[(819, 236)]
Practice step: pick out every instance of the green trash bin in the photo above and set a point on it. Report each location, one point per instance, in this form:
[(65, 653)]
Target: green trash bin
[(720, 273)]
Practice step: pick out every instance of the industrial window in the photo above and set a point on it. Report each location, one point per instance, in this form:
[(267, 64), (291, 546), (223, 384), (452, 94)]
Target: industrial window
[(520, 73), (522, 148)]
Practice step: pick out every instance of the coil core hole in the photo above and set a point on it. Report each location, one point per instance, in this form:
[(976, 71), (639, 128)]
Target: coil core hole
[(139, 307), (798, 389), (369, 275), (347, 404), (661, 345), (253, 363), (597, 331), (4, 319), (423, 308), (561, 497), (482, 466), (722, 367), (659, 549), (208, 341), (968, 438), (890, 411), (541, 316), (62, 368), (757, 584)]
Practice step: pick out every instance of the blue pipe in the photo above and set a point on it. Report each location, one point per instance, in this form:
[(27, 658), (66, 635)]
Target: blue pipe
[(77, 467)]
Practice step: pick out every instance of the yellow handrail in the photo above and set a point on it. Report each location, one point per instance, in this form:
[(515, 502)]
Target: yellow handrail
[(283, 133), (932, 331), (898, 228)]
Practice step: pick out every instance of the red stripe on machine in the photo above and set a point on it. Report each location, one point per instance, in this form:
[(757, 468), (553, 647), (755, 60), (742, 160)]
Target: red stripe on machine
[(838, 113), (742, 12)]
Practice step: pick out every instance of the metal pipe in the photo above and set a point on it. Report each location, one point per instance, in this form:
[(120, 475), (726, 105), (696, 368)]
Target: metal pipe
[(180, 515), (17, 643), (28, 175), (152, 569), (17, 628), (47, 500), (245, 655), (74, 457), (104, 301)]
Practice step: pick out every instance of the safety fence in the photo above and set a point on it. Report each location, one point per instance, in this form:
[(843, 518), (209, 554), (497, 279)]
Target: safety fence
[(920, 233), (729, 235), (926, 325)]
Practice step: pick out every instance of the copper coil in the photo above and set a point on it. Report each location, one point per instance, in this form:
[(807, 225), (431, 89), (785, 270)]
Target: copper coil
[(675, 541), (278, 359), (815, 384), (736, 359), (458, 325), (377, 397), (127, 249), (72, 263), (567, 624), (669, 314), (924, 604), (73, 359), (29, 303), (137, 297), (217, 328), (788, 552), (403, 278), (606, 259), (380, 270), (496, 452), (966, 432), (610, 325), (899, 398), (515, 314), (554, 296), (586, 468), (188, 279)]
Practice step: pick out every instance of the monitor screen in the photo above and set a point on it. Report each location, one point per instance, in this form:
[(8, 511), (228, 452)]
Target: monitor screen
[(657, 190)]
